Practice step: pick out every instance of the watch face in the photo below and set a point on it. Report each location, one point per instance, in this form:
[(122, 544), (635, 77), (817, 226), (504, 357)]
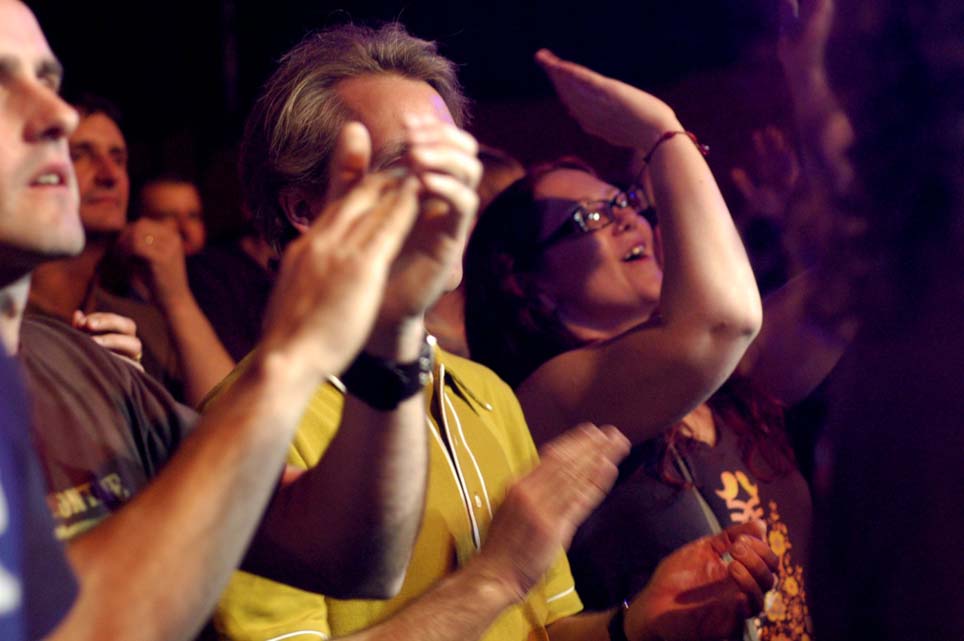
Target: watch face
[(383, 384)]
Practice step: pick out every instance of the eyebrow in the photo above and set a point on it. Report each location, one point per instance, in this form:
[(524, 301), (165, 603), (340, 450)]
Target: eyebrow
[(388, 156), (51, 69), (47, 69)]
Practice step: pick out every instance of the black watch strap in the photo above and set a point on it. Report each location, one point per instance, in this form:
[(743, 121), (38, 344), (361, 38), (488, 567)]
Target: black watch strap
[(383, 384), (617, 628)]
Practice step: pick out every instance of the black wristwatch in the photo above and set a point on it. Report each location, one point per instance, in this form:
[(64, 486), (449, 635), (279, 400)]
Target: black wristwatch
[(384, 384), (617, 629)]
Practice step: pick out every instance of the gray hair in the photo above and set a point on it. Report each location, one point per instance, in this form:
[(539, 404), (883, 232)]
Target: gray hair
[(291, 131)]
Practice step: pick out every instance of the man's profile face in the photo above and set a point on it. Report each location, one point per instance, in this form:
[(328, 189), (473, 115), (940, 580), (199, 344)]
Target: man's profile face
[(99, 154), (38, 190)]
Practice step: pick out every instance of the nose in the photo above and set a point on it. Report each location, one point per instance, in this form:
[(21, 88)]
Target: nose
[(108, 171), (50, 117), (626, 219)]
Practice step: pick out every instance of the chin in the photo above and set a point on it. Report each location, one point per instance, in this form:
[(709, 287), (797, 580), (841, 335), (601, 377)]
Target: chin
[(67, 245)]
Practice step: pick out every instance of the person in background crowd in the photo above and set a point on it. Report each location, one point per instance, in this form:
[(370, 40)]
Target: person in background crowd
[(135, 270), (174, 200)]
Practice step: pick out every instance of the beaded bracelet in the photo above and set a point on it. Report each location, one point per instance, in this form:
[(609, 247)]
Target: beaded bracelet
[(703, 149)]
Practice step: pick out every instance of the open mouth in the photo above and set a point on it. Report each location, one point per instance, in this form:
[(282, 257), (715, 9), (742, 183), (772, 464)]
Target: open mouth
[(50, 178), (638, 252)]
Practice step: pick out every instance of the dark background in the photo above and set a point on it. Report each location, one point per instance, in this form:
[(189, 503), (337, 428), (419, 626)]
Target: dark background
[(185, 73)]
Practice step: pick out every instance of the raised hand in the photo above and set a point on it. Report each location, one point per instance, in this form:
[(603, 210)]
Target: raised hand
[(443, 159), (804, 30), (619, 113), (159, 253), (113, 332), (333, 276), (542, 510), (768, 185), (695, 594)]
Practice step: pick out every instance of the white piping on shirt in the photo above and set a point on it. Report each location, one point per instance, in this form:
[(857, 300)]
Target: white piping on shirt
[(450, 453), (448, 459), (290, 635), (475, 463), (556, 597)]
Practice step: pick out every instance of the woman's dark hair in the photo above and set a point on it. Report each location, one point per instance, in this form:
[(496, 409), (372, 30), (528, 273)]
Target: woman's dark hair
[(510, 325), (513, 328)]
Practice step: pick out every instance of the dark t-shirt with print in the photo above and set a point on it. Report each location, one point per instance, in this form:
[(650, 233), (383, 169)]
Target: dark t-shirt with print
[(102, 429), (644, 519)]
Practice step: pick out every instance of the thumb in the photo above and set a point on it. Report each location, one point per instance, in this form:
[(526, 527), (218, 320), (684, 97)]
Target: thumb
[(350, 160), (755, 528)]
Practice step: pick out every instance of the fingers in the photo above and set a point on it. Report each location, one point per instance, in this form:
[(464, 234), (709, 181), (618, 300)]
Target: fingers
[(553, 64), (149, 239), (104, 323), (753, 563), (350, 159), (741, 179), (580, 467), (754, 528), (387, 227), (436, 146), (458, 195), (445, 159), (750, 573), (123, 344), (340, 215)]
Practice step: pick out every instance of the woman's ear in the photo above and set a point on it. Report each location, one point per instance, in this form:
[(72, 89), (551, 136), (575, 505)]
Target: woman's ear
[(297, 210)]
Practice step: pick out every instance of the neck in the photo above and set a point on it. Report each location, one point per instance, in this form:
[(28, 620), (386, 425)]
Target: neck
[(59, 286), (446, 321), (13, 300), (259, 250)]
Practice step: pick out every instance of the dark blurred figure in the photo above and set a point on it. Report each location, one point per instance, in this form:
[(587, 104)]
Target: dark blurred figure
[(889, 471), (175, 201), (232, 281), (36, 584)]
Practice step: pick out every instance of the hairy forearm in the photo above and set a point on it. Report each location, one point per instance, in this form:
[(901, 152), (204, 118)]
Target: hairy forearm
[(363, 503), (346, 527), (204, 361), (460, 607), (190, 526)]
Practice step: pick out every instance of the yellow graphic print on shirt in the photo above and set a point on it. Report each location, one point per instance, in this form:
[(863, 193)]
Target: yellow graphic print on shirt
[(786, 616)]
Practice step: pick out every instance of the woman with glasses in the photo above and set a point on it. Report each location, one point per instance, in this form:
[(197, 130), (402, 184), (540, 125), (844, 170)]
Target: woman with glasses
[(593, 313)]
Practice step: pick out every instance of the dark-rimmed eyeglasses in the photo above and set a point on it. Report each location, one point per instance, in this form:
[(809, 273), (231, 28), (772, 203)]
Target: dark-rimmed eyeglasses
[(590, 216)]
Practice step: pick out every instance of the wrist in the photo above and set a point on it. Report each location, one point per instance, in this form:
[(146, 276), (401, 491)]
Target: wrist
[(636, 620), (175, 302), (656, 128), (398, 341), (383, 384), (496, 583)]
